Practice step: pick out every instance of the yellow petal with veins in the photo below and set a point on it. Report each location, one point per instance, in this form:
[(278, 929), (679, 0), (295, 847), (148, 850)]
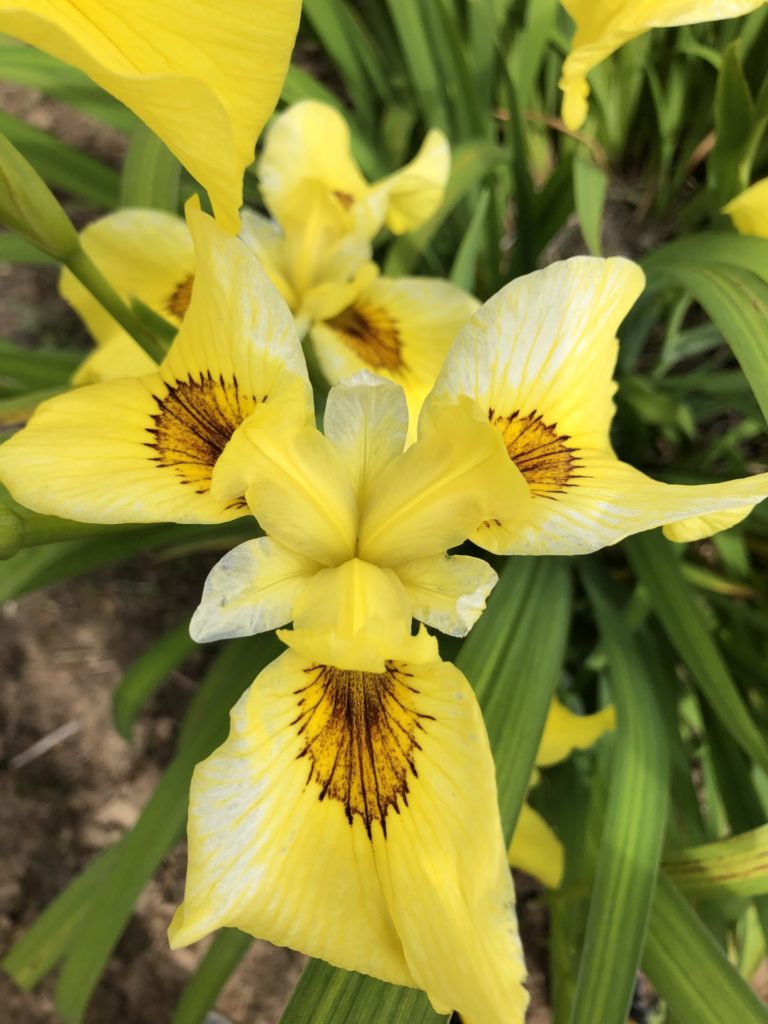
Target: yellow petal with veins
[(203, 77), (699, 527), (602, 26), (144, 449), (352, 815)]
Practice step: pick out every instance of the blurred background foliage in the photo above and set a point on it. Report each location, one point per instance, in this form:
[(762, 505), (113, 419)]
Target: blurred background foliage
[(676, 637)]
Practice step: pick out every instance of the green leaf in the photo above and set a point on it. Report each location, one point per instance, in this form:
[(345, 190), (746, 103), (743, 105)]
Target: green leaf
[(36, 369), (734, 866), (677, 610), (419, 55), (144, 676), (63, 166), (151, 174), (590, 186), (730, 161), (633, 831), (228, 948), (159, 826), (464, 267), (335, 27), (688, 968)]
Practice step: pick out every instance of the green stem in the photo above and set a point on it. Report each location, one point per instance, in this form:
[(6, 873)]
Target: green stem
[(28, 529), (86, 271)]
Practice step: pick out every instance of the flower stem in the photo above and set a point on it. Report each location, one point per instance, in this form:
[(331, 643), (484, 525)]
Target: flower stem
[(86, 271)]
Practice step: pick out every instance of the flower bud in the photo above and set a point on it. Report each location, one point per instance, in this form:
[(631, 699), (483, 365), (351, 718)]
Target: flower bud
[(29, 207), (11, 532)]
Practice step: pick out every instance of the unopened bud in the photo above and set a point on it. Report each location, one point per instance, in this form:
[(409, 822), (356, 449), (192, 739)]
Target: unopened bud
[(29, 207), (11, 532)]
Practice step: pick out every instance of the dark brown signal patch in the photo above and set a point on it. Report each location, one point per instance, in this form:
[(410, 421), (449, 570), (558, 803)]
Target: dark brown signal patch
[(195, 419), (542, 455), (360, 734), (372, 335), (178, 302)]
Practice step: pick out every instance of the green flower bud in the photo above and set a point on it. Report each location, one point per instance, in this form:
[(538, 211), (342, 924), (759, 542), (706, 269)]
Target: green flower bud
[(29, 207), (11, 532)]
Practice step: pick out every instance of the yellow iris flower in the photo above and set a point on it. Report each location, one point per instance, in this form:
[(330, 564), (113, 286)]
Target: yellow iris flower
[(538, 358), (602, 26), (352, 812), (749, 210), (310, 143), (353, 496), (535, 848), (143, 449), (204, 77), (319, 259)]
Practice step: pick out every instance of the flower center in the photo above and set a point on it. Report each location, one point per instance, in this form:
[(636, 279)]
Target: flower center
[(359, 731), (178, 303), (345, 198), (542, 455), (372, 335), (195, 420)]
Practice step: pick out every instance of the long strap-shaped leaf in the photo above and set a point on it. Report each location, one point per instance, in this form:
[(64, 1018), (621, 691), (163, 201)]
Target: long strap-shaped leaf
[(713, 993), (656, 566), (513, 658), (633, 832)]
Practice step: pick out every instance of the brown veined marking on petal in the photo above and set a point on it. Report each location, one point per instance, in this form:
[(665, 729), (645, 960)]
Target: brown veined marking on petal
[(542, 455), (372, 334), (360, 736), (345, 198), (178, 302), (195, 419)]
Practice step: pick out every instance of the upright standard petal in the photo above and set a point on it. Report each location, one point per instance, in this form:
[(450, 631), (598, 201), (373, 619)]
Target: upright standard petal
[(447, 592), (749, 210), (309, 141), (203, 77), (538, 358), (352, 815), (144, 450), (415, 192), (399, 328), (565, 731), (602, 26), (147, 255), (435, 494)]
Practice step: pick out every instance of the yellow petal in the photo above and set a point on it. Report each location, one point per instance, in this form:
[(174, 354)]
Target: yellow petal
[(536, 849), (698, 527), (253, 588), (415, 192), (143, 450), (749, 210), (545, 346), (436, 493), (204, 77), (366, 418), (114, 359), (400, 329), (602, 26), (356, 616), (565, 731), (308, 142), (297, 486), (144, 254), (448, 592), (353, 816), (610, 500)]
